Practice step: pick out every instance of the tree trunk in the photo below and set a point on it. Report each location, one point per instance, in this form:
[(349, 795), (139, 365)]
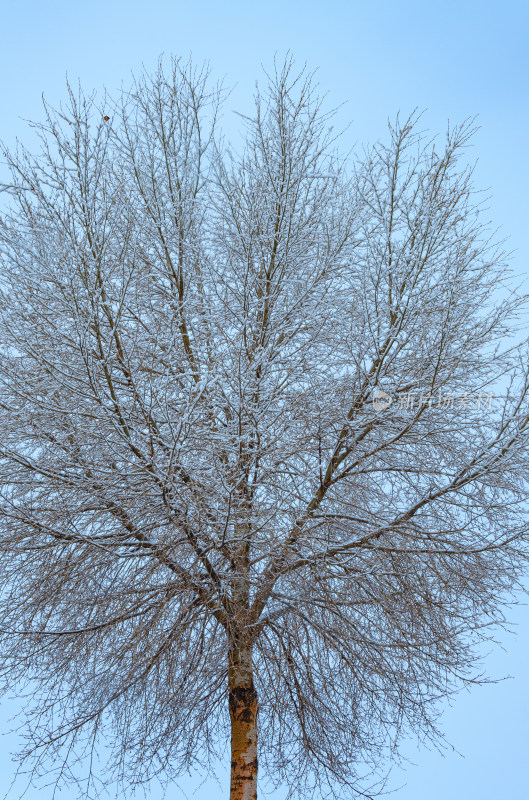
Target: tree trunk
[(243, 716)]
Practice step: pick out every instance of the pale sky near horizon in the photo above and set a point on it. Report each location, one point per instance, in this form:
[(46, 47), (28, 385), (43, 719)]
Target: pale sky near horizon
[(453, 59)]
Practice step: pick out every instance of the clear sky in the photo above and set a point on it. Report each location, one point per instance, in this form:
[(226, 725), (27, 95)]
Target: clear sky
[(454, 59)]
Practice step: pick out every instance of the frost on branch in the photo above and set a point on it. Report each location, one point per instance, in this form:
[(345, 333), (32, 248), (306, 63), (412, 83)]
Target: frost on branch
[(204, 517)]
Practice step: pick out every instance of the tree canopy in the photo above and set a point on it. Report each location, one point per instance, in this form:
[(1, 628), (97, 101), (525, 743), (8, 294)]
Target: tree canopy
[(264, 449)]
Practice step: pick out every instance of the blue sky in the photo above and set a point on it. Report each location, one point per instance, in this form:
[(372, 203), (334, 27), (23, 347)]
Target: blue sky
[(453, 59)]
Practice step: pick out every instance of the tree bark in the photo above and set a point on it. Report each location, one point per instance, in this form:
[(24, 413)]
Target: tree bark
[(243, 715)]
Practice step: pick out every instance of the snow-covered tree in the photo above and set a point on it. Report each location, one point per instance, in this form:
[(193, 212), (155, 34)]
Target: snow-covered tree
[(255, 468)]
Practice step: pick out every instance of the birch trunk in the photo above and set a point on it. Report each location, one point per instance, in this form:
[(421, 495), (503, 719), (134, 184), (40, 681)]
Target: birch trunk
[(243, 717)]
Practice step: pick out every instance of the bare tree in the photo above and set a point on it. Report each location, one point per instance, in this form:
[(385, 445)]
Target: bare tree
[(251, 461)]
